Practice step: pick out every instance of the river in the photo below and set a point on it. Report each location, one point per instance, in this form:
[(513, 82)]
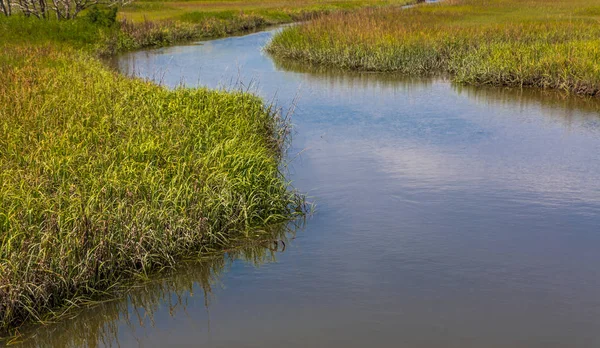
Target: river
[(446, 216)]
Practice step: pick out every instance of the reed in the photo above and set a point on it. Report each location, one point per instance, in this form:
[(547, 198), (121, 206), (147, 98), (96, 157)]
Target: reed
[(106, 180), (538, 43)]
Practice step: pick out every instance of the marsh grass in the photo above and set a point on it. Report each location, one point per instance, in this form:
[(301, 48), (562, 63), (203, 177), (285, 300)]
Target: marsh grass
[(101, 321), (538, 43), (147, 24), (124, 35), (148, 33), (269, 10), (105, 179), (161, 23)]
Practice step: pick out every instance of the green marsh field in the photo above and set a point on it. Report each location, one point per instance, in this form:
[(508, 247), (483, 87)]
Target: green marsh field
[(107, 180), (538, 43)]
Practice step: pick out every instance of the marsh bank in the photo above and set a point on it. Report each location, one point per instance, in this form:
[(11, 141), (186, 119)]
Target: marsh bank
[(447, 217)]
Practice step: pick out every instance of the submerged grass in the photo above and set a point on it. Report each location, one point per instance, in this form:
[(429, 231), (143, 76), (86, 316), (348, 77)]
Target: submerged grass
[(538, 43), (105, 179)]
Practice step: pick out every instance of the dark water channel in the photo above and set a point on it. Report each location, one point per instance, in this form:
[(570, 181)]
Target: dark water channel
[(446, 217)]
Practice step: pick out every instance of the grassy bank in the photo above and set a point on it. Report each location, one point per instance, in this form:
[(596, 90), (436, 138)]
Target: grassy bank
[(538, 43), (157, 23), (119, 36), (148, 23), (274, 11), (105, 179)]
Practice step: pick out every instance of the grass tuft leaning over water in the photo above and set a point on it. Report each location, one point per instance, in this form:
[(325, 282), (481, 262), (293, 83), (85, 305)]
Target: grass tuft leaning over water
[(537, 43), (106, 179)]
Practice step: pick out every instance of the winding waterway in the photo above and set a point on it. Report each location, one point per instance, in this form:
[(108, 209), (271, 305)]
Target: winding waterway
[(447, 216)]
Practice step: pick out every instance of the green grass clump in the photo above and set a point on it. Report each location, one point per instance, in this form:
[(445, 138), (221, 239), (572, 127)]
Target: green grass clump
[(538, 43), (105, 179)]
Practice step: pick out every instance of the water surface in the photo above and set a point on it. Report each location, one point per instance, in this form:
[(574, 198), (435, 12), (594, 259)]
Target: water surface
[(447, 216)]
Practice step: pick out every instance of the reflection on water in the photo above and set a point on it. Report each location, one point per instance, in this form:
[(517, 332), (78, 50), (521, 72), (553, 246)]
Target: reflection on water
[(340, 79), (581, 113), (447, 216), (553, 104), (170, 295)]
